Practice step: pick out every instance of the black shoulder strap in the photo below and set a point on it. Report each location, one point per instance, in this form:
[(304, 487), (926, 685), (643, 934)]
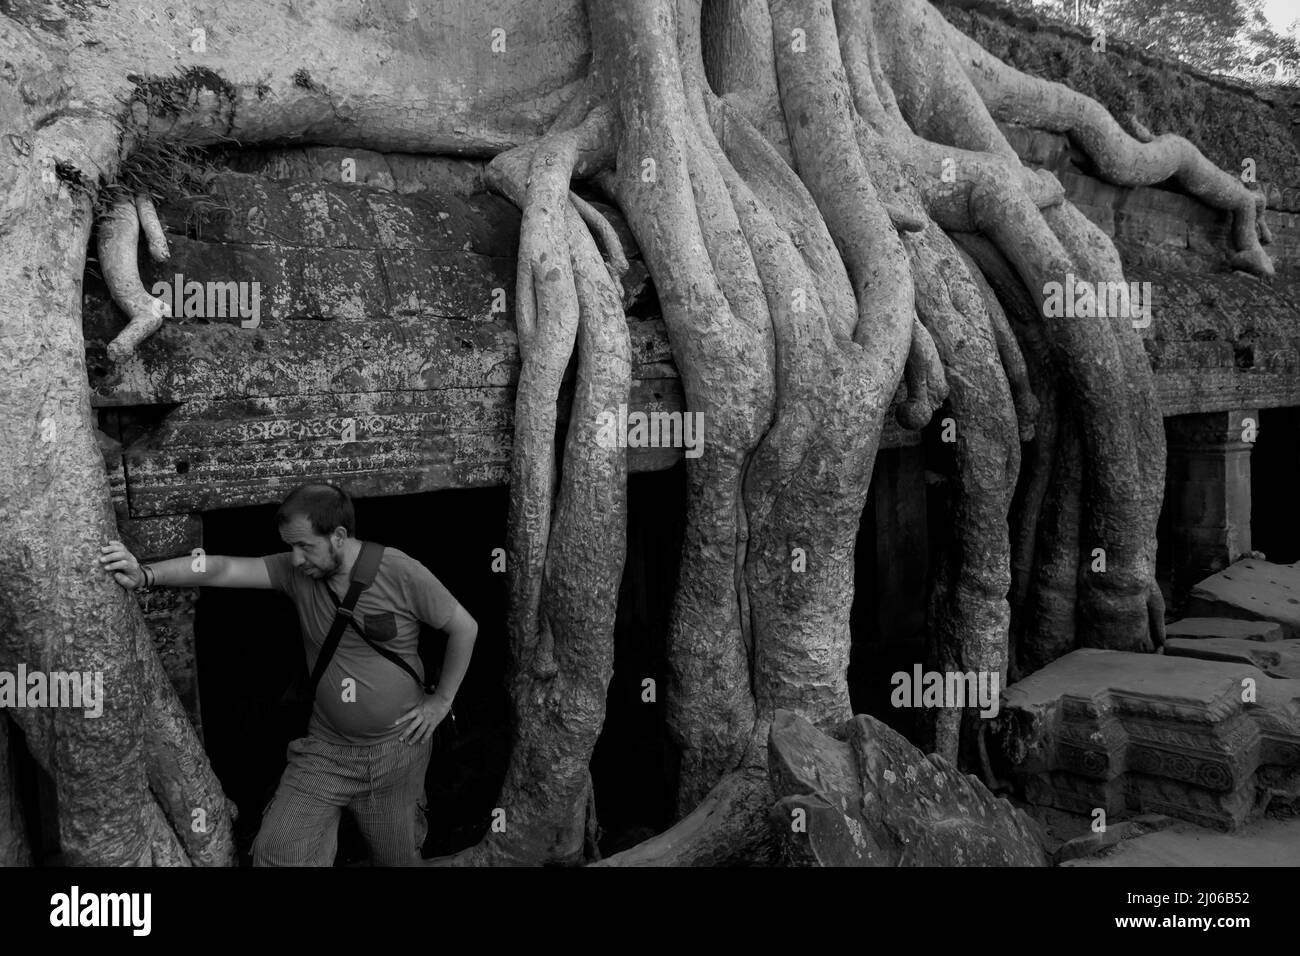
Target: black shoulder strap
[(382, 651), (363, 575)]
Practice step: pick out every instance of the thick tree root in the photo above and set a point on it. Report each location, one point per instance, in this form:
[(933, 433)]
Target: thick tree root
[(970, 624), (563, 596), (1120, 159), (676, 205), (195, 809), (728, 827), (119, 232)]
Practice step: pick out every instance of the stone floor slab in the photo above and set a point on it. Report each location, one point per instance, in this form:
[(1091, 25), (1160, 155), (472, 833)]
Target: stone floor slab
[(1197, 628), (1253, 590), (1267, 842), (1276, 659)]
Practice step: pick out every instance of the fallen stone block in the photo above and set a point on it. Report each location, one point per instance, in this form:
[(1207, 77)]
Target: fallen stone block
[(1252, 590), (1200, 740), (1277, 659), (1198, 628), (872, 799)]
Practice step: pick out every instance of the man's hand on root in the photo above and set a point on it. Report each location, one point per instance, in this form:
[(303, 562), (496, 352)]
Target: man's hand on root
[(121, 563), (425, 718)]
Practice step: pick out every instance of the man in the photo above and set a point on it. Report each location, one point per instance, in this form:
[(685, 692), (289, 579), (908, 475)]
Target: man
[(370, 736)]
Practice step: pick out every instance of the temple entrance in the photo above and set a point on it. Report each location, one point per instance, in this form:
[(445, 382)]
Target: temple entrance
[(248, 646), (1274, 464)]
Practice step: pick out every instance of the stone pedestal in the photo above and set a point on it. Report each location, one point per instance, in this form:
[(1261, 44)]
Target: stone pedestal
[(1207, 490), (1207, 741)]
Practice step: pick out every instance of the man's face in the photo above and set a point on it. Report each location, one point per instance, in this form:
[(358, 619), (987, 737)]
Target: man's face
[(316, 554)]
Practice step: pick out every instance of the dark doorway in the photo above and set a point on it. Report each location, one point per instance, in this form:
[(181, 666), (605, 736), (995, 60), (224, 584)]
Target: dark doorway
[(248, 646), (1275, 504), (634, 766), (891, 571)]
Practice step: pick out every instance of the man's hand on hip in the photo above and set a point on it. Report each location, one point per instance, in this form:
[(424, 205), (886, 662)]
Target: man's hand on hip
[(424, 719)]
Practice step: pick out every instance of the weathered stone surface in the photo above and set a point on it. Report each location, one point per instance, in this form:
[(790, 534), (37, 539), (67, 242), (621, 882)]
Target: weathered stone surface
[(1198, 628), (1194, 739), (1277, 659), (873, 799), (223, 454), (155, 539), (184, 363), (1265, 843), (1253, 590), (1093, 843), (261, 210), (407, 172), (378, 293)]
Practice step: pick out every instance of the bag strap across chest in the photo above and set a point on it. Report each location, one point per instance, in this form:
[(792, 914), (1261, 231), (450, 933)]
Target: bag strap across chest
[(382, 651), (363, 575)]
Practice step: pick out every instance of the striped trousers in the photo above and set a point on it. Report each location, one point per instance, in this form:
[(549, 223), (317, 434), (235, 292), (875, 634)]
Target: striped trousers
[(382, 785)]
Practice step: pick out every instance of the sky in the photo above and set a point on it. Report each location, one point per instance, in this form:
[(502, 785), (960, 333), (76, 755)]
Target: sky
[(1281, 12)]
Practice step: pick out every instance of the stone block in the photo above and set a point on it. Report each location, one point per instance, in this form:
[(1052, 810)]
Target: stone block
[(1196, 628), (872, 799), (1252, 590), (165, 536), (1276, 659), (454, 285), (1150, 733)]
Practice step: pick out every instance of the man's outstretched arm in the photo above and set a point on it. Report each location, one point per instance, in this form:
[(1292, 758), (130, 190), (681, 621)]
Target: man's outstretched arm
[(219, 571)]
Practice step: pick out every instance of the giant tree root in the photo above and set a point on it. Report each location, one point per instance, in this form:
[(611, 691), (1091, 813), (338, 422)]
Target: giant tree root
[(132, 786), (751, 169), (1120, 159), (119, 233), (728, 827)]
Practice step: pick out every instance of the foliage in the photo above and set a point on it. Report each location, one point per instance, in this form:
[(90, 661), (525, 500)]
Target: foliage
[(1227, 37)]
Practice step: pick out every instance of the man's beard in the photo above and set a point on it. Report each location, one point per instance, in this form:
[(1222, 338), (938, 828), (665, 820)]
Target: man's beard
[(334, 562)]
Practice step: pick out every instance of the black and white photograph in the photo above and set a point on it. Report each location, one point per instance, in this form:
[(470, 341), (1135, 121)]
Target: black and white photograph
[(666, 434)]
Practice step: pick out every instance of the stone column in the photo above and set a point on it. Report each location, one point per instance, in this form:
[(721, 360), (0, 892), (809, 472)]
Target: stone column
[(1207, 491)]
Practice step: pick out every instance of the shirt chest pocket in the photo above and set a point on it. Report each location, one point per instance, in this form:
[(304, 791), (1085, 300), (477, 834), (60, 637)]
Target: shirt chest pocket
[(381, 626)]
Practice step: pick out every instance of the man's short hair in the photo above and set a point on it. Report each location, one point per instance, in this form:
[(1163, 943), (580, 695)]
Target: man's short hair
[(324, 504)]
